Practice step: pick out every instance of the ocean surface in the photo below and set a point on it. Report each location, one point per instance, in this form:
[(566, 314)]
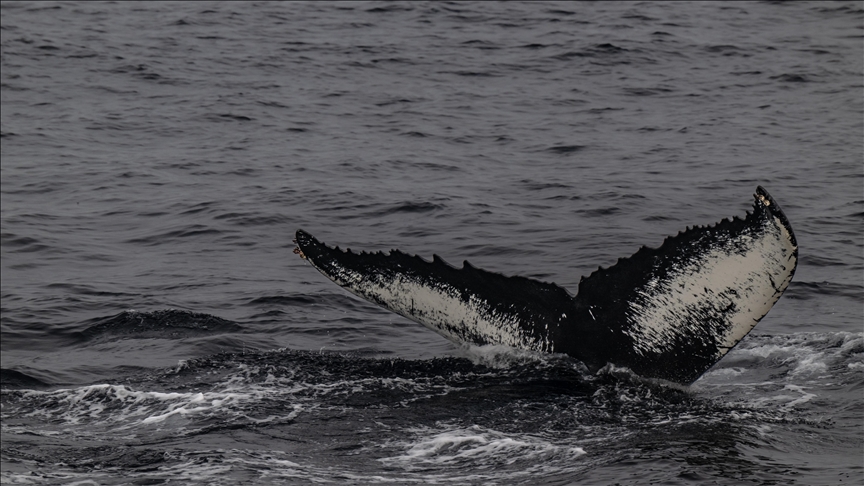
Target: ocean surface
[(157, 159)]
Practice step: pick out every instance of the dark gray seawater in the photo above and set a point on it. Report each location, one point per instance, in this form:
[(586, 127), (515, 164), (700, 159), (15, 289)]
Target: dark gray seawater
[(158, 157)]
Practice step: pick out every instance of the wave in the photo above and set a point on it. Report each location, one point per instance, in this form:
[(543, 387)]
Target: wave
[(489, 415), (162, 324)]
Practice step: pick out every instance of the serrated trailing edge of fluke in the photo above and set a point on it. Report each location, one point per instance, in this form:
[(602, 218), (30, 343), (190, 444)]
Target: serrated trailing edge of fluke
[(668, 312), (759, 205), (436, 259)]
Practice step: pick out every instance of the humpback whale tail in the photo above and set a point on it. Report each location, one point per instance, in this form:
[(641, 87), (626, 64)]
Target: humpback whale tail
[(669, 312)]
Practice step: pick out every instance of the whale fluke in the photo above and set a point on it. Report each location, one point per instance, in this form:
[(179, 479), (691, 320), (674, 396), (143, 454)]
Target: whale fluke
[(669, 312)]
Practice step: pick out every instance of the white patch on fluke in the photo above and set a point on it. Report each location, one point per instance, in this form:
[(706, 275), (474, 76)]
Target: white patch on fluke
[(720, 294), (439, 307)]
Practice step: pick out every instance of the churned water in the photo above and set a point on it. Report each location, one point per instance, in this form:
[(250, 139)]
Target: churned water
[(158, 157)]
